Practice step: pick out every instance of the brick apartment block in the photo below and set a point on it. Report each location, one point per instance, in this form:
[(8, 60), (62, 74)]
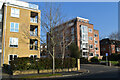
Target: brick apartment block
[(109, 46), (18, 18), (82, 33)]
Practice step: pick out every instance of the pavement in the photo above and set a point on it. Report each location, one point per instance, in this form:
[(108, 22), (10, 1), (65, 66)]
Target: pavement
[(64, 74), (87, 72)]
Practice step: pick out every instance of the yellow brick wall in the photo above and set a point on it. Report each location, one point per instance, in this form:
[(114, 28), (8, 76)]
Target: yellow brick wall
[(24, 28)]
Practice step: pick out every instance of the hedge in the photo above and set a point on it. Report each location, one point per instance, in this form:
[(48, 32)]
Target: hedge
[(41, 63), (94, 59), (112, 57)]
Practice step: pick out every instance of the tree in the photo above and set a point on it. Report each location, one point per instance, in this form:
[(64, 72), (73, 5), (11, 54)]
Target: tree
[(75, 52), (51, 16), (65, 40), (114, 36)]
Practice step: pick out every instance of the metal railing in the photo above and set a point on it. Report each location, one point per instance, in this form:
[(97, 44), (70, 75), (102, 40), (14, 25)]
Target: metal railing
[(33, 20), (33, 47), (32, 33)]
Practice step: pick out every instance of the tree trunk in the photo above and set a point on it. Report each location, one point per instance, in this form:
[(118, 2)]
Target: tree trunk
[(63, 54), (53, 60)]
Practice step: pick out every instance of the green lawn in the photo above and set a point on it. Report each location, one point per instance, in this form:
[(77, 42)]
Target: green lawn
[(40, 76), (112, 62)]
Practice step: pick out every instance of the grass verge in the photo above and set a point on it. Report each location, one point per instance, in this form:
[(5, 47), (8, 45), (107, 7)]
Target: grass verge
[(41, 76)]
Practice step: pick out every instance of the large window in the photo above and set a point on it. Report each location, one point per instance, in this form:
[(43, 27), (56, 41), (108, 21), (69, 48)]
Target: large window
[(14, 27), (15, 12), (13, 42)]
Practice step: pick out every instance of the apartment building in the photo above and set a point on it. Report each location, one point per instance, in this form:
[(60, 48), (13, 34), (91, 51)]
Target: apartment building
[(109, 46), (19, 30), (81, 32)]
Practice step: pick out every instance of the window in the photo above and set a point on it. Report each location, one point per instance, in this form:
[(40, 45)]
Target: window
[(45, 46), (96, 48), (90, 54), (85, 54), (41, 46), (15, 12), (33, 56), (90, 38), (91, 46), (0, 17), (73, 37), (72, 30), (90, 30), (14, 27), (104, 49), (112, 48), (12, 57), (96, 42), (95, 35), (13, 42), (97, 55), (0, 32)]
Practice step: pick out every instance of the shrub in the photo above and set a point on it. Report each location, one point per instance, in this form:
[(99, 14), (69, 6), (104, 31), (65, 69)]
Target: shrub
[(83, 60), (94, 59), (42, 63)]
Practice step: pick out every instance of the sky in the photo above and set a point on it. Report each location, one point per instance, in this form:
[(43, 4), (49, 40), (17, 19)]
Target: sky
[(103, 15)]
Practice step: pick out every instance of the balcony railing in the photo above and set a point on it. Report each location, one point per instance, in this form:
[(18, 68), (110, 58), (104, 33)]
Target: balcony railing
[(32, 33), (33, 20), (33, 6), (33, 47)]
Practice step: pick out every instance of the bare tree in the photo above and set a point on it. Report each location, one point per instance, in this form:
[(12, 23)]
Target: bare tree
[(114, 36), (64, 39), (51, 17)]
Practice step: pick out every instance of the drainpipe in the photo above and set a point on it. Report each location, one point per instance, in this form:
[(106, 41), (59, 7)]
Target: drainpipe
[(4, 30)]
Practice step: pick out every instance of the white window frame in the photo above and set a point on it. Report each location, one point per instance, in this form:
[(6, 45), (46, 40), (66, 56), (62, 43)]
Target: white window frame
[(14, 27), (15, 13), (13, 38)]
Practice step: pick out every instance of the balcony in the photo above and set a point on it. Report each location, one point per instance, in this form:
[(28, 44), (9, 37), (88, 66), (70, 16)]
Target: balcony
[(33, 6), (33, 20), (33, 44), (34, 17), (33, 30), (32, 33), (33, 47)]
